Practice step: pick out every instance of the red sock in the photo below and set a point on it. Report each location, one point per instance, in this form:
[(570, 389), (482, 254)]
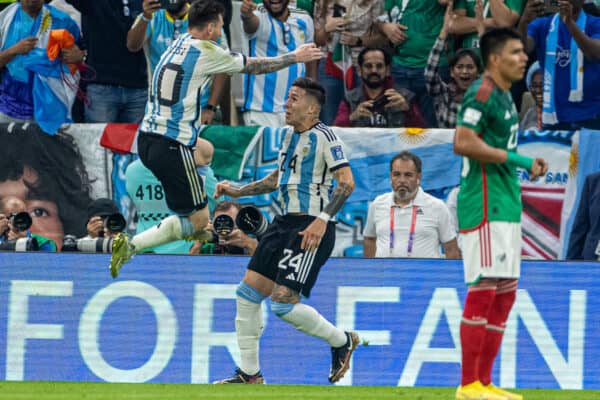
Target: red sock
[(494, 331), (472, 332)]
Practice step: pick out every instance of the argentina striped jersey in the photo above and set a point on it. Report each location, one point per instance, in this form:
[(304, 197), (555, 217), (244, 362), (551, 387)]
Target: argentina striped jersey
[(268, 92), (306, 162), (184, 71)]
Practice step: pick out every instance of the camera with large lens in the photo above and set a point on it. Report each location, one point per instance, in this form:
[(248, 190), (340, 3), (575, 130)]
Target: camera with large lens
[(21, 244), (114, 223), (87, 245), (20, 221), (251, 221), (223, 224)]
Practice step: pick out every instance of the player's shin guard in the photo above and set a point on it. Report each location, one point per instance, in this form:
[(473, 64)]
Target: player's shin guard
[(472, 332), (496, 322), (168, 230), (308, 320), (248, 326)]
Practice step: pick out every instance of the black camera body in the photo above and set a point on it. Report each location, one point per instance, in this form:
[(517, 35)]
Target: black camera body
[(114, 223), (338, 10), (380, 102), (251, 221), (20, 221)]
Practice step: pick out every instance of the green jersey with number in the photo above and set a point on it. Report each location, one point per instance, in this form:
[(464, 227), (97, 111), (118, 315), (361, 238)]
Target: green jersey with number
[(471, 40), (488, 191), (424, 19)]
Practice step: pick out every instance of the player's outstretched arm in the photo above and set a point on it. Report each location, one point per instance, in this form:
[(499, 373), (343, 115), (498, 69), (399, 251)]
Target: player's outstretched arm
[(263, 65), (264, 185)]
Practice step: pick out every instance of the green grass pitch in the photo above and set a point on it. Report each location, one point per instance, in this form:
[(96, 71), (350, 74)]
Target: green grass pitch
[(118, 391)]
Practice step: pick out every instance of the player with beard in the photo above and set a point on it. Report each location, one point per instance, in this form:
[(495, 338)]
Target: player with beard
[(407, 222), (271, 30), (376, 102)]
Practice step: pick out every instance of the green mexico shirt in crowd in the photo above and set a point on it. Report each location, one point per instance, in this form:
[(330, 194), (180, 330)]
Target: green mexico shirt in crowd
[(488, 191), (424, 19), (472, 39)]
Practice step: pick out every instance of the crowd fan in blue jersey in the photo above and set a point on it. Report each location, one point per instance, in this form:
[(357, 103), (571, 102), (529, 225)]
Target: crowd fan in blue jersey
[(170, 127), (567, 46), (342, 29), (155, 29), (377, 102), (227, 237), (24, 29), (272, 30), (296, 244), (118, 90)]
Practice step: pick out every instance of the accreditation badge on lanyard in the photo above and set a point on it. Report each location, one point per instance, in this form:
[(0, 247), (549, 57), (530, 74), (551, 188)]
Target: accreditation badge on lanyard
[(411, 232)]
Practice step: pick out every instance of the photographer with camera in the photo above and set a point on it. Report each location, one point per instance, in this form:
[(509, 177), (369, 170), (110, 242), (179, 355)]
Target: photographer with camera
[(228, 238), (377, 102), (104, 219), (15, 222)]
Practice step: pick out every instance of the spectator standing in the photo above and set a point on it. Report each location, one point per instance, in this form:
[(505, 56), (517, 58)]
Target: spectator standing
[(412, 27), (584, 241), (496, 14), (375, 102), (407, 222), (272, 30), (567, 45), (24, 36), (119, 91), (342, 29), (465, 67)]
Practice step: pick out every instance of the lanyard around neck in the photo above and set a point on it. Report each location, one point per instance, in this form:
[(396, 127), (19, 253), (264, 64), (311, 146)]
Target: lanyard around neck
[(411, 232)]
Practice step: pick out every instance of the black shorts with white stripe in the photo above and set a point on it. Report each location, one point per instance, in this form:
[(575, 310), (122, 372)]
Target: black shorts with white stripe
[(279, 257), (173, 165)]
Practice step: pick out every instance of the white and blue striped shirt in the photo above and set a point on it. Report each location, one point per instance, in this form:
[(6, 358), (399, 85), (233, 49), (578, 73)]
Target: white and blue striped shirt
[(268, 92), (306, 162), (184, 71)]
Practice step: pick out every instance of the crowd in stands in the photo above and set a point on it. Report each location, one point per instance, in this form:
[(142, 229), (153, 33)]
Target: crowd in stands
[(392, 63)]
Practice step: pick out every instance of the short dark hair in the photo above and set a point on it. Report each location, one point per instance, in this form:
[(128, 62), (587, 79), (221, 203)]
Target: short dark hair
[(407, 156), (203, 12), (387, 57), (312, 88), (226, 205), (465, 52), (493, 41)]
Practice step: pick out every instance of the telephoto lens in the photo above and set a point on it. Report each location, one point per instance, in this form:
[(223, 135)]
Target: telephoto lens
[(20, 245), (223, 224), (251, 221)]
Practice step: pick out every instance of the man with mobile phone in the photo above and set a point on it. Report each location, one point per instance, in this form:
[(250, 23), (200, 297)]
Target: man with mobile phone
[(376, 102)]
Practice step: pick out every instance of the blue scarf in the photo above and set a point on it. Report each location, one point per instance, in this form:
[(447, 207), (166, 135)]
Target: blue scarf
[(549, 116)]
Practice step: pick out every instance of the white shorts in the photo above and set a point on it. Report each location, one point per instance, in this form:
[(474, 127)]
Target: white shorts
[(264, 118), (492, 251)]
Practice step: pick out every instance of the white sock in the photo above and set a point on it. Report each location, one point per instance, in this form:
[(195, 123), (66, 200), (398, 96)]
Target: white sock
[(168, 230), (248, 327), (308, 320)]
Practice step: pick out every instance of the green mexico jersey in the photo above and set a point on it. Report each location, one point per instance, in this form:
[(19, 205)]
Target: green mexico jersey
[(471, 40), (489, 192), (424, 19)]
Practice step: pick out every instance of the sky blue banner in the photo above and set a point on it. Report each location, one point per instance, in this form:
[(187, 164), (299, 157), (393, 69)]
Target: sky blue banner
[(170, 319)]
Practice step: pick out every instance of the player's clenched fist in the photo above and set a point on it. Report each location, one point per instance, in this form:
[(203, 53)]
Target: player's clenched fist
[(539, 168), (308, 52)]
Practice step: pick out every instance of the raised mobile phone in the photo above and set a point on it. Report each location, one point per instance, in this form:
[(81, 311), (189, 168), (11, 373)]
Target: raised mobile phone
[(551, 7), (338, 10)]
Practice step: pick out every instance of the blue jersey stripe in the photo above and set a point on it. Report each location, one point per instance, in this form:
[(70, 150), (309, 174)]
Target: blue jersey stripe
[(271, 78), (308, 165), (285, 178), (249, 79)]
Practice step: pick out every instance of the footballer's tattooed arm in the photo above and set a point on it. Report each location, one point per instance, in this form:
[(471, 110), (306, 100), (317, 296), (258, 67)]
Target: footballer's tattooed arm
[(343, 190)]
